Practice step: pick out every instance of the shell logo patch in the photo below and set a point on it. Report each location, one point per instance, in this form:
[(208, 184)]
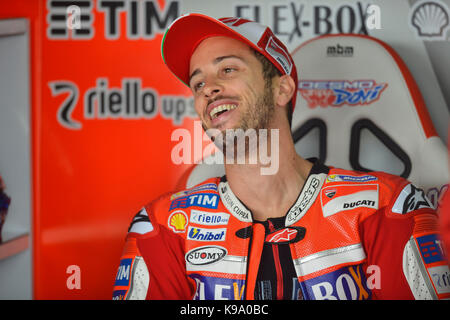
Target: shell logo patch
[(178, 221)]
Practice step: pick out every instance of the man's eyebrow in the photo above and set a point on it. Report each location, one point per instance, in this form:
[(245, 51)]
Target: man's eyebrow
[(216, 61), (196, 71)]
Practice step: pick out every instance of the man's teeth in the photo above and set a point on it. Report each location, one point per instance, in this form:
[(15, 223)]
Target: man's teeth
[(224, 107)]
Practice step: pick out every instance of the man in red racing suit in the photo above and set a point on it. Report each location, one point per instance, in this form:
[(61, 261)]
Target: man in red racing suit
[(348, 236), (305, 231)]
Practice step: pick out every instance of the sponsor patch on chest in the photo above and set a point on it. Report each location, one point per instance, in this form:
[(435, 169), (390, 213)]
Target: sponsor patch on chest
[(205, 255), (212, 288), (336, 199), (202, 234), (348, 283)]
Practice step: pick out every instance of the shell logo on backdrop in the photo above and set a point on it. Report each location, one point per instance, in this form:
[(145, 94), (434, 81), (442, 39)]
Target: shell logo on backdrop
[(430, 20)]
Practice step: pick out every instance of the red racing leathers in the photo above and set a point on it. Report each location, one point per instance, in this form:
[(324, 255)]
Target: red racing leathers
[(351, 235)]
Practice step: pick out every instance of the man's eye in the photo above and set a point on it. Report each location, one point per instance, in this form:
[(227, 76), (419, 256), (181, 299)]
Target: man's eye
[(228, 70), (198, 86)]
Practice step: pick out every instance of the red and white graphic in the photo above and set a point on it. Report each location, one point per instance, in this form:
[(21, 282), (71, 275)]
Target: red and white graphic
[(234, 22), (347, 197), (330, 193), (336, 93), (279, 54), (283, 235)]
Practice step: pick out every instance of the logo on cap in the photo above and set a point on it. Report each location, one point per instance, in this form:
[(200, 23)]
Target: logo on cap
[(279, 54)]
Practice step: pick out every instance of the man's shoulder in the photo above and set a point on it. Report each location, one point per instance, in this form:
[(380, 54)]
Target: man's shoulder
[(347, 177), (156, 211), (208, 186), (396, 193), (179, 199)]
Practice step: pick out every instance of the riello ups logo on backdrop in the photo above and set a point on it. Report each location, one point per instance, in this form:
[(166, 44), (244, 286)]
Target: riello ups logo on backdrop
[(129, 101), (73, 20)]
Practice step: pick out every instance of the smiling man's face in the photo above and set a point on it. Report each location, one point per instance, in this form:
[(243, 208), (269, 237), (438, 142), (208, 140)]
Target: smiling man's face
[(228, 85)]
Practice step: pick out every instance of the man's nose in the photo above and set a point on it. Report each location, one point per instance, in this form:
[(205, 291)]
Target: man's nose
[(212, 88)]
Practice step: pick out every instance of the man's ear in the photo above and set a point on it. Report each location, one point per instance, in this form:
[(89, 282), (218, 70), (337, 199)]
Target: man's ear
[(285, 90)]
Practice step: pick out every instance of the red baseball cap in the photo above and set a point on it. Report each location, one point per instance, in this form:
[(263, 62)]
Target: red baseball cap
[(185, 34)]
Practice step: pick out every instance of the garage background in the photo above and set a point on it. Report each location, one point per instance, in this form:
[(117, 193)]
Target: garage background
[(88, 107)]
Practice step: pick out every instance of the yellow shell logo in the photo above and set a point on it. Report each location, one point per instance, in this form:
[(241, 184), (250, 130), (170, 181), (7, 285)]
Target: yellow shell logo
[(178, 221), (331, 178)]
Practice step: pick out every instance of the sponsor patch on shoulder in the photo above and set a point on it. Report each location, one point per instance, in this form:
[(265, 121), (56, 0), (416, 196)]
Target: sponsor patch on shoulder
[(430, 248), (204, 200), (124, 273), (410, 199), (203, 187), (435, 263), (345, 197), (141, 223), (350, 178), (119, 294)]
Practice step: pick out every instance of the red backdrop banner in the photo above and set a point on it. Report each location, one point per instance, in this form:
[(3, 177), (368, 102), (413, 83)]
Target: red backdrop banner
[(103, 108)]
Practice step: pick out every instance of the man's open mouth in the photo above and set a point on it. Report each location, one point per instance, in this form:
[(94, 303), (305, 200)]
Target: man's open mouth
[(217, 111)]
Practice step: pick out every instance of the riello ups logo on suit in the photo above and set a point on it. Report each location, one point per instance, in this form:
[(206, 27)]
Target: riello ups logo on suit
[(80, 22)]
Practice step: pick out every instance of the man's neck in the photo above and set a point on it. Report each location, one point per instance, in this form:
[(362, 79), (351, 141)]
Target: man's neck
[(270, 195)]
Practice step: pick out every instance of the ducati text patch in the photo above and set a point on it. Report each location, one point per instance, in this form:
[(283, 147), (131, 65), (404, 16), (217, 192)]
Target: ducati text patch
[(340, 198)]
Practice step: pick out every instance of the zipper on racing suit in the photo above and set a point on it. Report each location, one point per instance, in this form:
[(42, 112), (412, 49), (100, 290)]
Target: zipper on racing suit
[(276, 259), (275, 270)]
